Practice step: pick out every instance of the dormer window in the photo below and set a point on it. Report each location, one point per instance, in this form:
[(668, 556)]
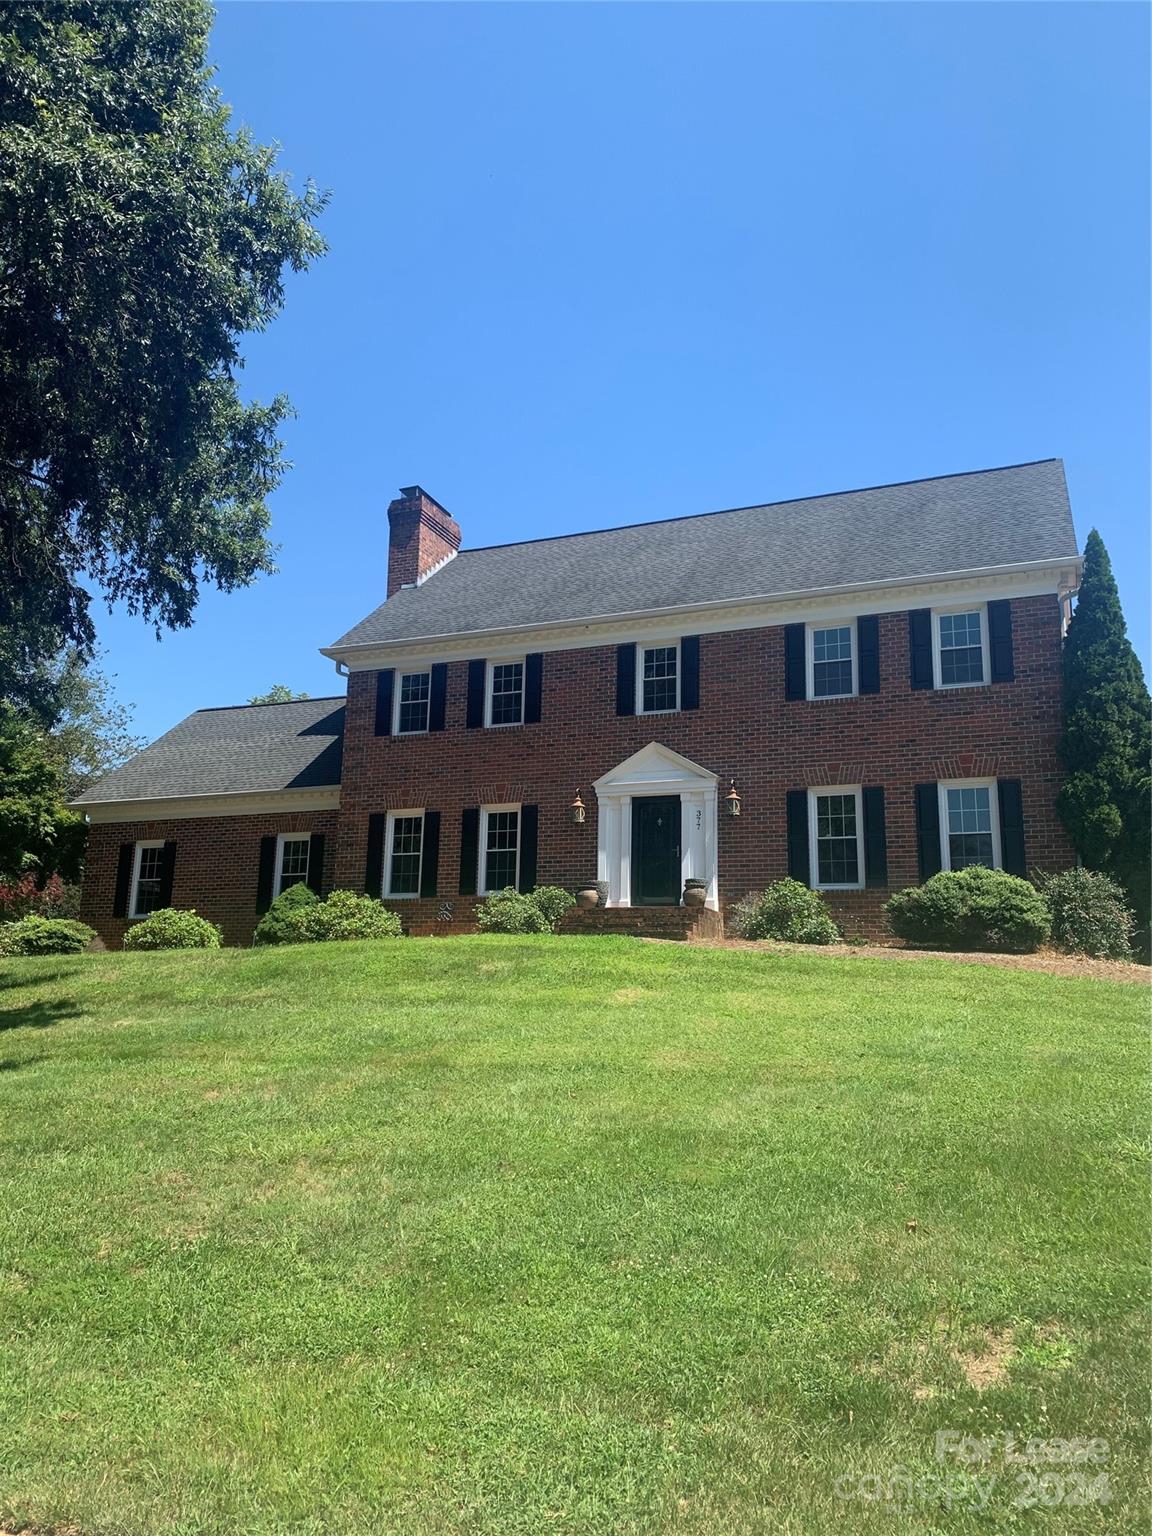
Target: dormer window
[(506, 693)]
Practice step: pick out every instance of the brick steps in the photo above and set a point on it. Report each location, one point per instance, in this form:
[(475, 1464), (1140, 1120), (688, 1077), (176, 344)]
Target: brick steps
[(683, 923)]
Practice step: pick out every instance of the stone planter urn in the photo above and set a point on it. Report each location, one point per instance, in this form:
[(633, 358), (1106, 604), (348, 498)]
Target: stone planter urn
[(695, 893), (587, 896)]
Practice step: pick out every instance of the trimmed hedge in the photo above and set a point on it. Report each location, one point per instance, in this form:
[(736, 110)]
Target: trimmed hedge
[(345, 915), (787, 911), (1090, 914), (35, 935), (276, 926), (974, 908), (511, 911), (172, 928)]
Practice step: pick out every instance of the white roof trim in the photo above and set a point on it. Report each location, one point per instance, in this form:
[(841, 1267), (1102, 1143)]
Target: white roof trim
[(258, 802), (654, 765)]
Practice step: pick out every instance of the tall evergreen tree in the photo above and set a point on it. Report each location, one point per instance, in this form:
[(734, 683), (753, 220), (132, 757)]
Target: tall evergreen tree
[(1107, 742)]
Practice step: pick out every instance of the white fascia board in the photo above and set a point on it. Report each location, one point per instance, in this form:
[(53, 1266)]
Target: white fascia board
[(260, 802), (1030, 579)]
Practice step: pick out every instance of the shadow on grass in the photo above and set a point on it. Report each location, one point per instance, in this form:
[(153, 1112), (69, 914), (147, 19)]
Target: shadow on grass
[(39, 1015)]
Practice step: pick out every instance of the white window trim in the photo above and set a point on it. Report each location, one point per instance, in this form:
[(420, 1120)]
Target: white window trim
[(856, 791), (135, 893), (290, 837), (389, 839), (482, 886), (937, 615), (655, 645), (504, 661), (991, 786), (810, 661), (398, 689)]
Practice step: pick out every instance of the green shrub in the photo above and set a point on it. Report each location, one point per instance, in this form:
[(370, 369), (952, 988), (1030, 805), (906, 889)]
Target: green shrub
[(34, 935), (787, 911), (509, 911), (275, 927), (170, 928), (345, 915), (553, 903), (1090, 915), (973, 908)]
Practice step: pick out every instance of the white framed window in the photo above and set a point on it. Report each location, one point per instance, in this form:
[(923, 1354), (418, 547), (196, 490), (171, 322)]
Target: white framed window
[(499, 848), (403, 853), (658, 679), (292, 850), (505, 694), (836, 838), (960, 646), (147, 879), (413, 695), (969, 823), (831, 659)]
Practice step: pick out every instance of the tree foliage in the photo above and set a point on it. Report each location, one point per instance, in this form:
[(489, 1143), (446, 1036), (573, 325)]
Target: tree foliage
[(37, 833), (87, 731), (279, 693), (1107, 742), (140, 239)]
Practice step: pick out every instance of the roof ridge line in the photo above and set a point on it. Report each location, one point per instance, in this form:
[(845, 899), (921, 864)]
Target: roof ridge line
[(215, 709)]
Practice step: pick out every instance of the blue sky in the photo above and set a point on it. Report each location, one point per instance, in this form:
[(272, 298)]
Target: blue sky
[(595, 264)]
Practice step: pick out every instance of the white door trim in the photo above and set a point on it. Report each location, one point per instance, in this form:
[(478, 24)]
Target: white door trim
[(656, 770)]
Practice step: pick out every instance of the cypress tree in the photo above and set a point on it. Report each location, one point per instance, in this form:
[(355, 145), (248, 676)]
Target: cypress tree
[(1107, 742)]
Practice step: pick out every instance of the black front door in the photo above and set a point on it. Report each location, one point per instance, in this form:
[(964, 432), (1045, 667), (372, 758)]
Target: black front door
[(656, 851)]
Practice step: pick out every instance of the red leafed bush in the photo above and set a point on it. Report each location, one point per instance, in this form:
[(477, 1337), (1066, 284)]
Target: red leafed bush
[(24, 898)]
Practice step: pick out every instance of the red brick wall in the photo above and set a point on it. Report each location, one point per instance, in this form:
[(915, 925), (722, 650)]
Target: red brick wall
[(217, 862), (744, 730)]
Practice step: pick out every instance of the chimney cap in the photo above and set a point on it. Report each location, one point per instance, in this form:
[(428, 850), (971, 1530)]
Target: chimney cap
[(418, 493)]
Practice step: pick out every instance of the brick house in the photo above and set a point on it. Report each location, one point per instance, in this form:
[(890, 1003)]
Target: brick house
[(875, 675)]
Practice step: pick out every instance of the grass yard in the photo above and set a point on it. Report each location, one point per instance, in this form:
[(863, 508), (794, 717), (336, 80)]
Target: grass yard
[(583, 1236)]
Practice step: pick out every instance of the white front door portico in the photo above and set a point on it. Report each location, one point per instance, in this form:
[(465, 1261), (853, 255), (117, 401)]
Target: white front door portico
[(656, 771)]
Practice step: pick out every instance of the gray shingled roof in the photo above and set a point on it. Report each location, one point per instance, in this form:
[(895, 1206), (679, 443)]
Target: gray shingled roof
[(963, 522), (229, 751)]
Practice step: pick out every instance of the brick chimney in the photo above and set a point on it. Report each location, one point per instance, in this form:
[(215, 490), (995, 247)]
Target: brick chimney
[(421, 536)]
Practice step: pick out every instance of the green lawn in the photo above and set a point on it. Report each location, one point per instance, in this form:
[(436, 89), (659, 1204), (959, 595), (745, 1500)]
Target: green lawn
[(562, 1235)]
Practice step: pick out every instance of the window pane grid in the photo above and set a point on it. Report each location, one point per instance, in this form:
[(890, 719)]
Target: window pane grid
[(837, 852), (508, 693), (149, 881), (501, 843), (293, 861), (658, 682), (407, 844), (831, 661), (970, 828), (415, 688), (961, 648)]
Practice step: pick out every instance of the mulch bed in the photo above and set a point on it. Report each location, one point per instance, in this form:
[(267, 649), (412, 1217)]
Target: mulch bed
[(1051, 961)]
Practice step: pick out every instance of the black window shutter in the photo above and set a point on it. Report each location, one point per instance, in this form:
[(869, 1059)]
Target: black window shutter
[(430, 853), (266, 873), (374, 858), (920, 647), (123, 879), (868, 661), (875, 837), (469, 849), (626, 679), (1012, 826), (385, 682), (1000, 640), (529, 823), (928, 830), (438, 696), (690, 672), (794, 680), (316, 863), (798, 865), (533, 687), (167, 871), (476, 674)]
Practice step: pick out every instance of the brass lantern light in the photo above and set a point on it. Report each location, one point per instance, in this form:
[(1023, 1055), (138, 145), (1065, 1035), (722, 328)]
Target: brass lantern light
[(576, 811), (732, 800)]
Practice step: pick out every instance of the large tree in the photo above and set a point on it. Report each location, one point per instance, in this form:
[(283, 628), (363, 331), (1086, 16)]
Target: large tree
[(87, 731), (140, 240), (1107, 742), (38, 836)]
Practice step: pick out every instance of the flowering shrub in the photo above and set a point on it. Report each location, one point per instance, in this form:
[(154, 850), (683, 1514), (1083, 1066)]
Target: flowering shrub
[(24, 897)]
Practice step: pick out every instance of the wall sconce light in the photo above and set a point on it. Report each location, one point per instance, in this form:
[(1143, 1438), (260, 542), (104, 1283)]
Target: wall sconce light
[(576, 811), (732, 800)]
